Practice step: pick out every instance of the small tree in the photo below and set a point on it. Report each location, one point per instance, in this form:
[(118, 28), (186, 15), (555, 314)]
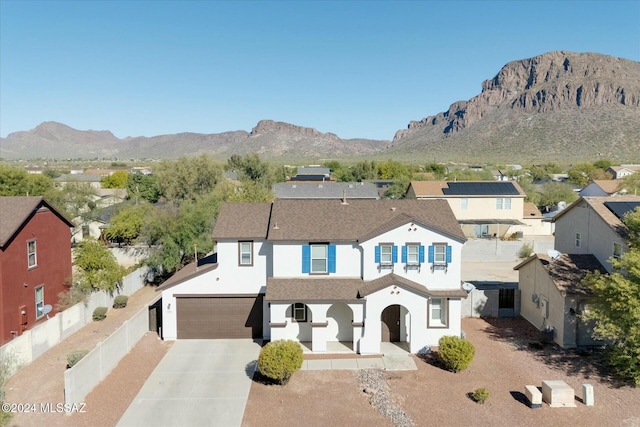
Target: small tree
[(98, 268), (278, 360), (456, 353), (480, 395)]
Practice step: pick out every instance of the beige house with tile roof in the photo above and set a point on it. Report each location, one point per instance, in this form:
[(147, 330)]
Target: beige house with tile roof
[(484, 208), (601, 187), (551, 297), (324, 272), (619, 172)]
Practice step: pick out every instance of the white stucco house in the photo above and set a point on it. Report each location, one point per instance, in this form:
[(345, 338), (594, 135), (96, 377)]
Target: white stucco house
[(359, 272)]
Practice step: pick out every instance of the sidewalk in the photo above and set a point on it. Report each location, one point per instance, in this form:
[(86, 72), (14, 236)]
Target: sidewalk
[(391, 362), (42, 381)]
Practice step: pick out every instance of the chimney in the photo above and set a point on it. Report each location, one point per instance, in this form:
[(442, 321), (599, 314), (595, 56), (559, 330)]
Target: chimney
[(344, 197)]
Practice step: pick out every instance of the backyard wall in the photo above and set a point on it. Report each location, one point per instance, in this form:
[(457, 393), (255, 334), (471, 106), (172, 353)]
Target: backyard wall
[(95, 366), (34, 342)]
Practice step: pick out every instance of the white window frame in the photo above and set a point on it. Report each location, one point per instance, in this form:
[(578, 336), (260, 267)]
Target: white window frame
[(439, 254), (413, 250), (617, 250), (578, 240), (39, 302), (32, 254), (386, 258), (464, 203), (438, 313), (299, 312), (503, 203), (244, 251), (313, 268)]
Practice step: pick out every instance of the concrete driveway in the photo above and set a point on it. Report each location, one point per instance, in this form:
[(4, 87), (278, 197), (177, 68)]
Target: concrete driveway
[(197, 383)]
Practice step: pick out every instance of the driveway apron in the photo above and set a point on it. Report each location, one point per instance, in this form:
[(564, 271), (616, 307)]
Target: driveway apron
[(197, 383)]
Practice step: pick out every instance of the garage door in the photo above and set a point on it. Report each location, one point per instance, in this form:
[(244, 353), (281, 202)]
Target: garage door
[(220, 316)]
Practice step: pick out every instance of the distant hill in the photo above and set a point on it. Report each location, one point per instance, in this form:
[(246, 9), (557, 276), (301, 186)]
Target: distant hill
[(560, 106)]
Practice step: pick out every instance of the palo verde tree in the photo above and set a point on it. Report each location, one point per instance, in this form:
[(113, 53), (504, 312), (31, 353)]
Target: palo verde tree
[(616, 306), (97, 267)]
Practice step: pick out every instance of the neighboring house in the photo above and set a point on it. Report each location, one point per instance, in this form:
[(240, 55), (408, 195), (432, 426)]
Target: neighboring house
[(35, 262), (499, 175), (483, 208), (35, 170), (109, 196), (93, 180), (601, 187), (381, 184), (321, 271), (619, 172), (325, 190), (593, 225), (312, 173), (552, 299)]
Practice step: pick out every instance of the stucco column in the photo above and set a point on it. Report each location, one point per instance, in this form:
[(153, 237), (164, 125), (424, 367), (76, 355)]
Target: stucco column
[(358, 324), (278, 321)]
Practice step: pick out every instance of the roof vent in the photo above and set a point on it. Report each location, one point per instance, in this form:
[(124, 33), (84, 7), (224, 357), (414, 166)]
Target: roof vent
[(393, 209), (293, 186), (275, 226)]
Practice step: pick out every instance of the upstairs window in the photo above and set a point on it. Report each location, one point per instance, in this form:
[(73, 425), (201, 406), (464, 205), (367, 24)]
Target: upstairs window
[(245, 253), (413, 254), (386, 254), (503, 203), (440, 253), (578, 240), (32, 258), (464, 203), (617, 250), (319, 258)]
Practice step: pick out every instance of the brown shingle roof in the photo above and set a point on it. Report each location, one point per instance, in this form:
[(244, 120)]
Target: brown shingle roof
[(242, 221), (15, 211), (331, 220), (609, 186), (530, 210), (345, 289), (567, 271)]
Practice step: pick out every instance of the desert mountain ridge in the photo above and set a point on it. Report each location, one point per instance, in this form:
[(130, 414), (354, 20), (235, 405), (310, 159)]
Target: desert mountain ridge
[(556, 106)]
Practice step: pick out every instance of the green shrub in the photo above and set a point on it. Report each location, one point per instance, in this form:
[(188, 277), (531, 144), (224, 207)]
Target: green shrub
[(120, 301), (456, 353), (99, 313), (278, 360), (75, 356), (480, 395), (525, 251)]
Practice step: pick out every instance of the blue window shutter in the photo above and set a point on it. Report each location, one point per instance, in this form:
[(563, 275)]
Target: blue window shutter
[(431, 254), (331, 258), (306, 258), (448, 254), (404, 254), (394, 254), (377, 259), (421, 254)]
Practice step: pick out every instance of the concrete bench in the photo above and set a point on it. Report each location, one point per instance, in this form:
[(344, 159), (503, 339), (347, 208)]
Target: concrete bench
[(534, 396)]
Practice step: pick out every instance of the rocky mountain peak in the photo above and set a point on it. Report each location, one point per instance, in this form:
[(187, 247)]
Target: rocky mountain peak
[(269, 126), (545, 83)]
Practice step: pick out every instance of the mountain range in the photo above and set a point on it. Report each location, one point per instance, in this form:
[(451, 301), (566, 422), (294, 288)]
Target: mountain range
[(559, 106)]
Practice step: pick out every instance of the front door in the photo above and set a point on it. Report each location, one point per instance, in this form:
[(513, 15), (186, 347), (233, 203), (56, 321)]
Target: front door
[(390, 321)]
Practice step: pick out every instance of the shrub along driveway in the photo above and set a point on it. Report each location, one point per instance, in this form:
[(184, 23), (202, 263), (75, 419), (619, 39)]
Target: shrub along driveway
[(198, 382)]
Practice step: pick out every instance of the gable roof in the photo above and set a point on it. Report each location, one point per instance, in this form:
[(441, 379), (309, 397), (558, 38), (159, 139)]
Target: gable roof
[(332, 220), (466, 188), (567, 271), (190, 271), (15, 212), (325, 190), (530, 210), (242, 221), (597, 204), (609, 186)]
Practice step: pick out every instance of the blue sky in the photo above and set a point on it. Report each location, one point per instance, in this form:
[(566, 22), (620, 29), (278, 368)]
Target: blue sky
[(357, 69)]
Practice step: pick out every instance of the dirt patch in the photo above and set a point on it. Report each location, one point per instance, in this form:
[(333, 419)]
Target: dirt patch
[(42, 381), (504, 364)]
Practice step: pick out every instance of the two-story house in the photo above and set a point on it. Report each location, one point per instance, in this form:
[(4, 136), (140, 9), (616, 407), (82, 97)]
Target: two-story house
[(593, 225), (35, 262), (484, 208), (359, 272)]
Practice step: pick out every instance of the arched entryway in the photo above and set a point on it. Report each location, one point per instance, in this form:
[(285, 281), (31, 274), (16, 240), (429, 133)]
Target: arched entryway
[(390, 321), (339, 323)]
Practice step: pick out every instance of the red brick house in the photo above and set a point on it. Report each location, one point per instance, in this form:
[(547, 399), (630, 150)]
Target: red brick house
[(35, 261)]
